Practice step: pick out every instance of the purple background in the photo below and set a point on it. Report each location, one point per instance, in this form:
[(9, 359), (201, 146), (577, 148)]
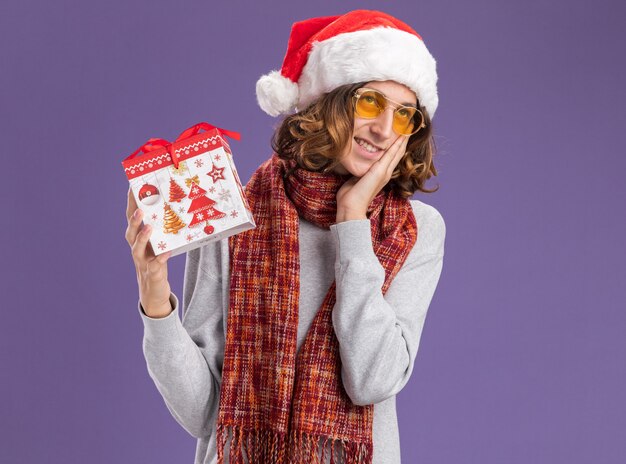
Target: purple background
[(522, 358)]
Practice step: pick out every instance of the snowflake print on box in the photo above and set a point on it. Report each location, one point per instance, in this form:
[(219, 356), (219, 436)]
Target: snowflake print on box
[(225, 197), (180, 170), (202, 209), (189, 190)]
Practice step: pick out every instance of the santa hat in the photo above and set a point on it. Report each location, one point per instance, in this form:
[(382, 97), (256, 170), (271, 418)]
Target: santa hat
[(325, 53)]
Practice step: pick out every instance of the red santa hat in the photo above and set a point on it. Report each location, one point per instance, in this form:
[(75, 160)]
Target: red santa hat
[(327, 52)]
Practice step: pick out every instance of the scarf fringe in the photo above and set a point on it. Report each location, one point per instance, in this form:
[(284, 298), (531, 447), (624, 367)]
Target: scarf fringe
[(258, 446), (270, 447)]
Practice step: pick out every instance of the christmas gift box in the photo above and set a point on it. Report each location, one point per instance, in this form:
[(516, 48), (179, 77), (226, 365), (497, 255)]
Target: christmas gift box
[(189, 190)]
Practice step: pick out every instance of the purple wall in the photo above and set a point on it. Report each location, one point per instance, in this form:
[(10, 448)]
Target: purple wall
[(522, 355)]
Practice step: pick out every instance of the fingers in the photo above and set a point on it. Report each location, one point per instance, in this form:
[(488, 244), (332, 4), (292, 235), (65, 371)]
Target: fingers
[(134, 225), (133, 216), (138, 235), (153, 271), (140, 250), (162, 259), (398, 149), (131, 205), (393, 155)]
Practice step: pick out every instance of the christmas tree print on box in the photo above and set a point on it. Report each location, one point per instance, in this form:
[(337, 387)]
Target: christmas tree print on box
[(176, 192), (193, 203), (202, 208), (172, 222)]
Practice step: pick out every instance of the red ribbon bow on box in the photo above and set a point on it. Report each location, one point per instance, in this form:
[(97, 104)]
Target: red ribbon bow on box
[(156, 143), (151, 144), (196, 128)]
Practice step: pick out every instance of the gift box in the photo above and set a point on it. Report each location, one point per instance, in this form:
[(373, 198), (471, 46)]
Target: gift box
[(189, 190)]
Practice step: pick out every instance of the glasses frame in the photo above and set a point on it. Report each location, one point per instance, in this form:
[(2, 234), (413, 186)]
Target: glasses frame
[(389, 103)]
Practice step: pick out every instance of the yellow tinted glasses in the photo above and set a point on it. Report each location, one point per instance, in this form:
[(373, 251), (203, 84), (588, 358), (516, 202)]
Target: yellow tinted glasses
[(370, 103)]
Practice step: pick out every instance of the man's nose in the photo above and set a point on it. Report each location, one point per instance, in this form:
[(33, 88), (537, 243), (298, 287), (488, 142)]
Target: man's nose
[(383, 124)]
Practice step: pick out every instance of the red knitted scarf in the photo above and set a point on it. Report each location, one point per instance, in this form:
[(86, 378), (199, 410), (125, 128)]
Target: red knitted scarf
[(277, 405)]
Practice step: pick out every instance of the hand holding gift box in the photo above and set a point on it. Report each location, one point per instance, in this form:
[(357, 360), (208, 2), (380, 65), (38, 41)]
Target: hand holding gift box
[(189, 190)]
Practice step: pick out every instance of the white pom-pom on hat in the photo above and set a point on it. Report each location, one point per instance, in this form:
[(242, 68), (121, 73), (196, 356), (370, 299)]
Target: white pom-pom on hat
[(276, 94)]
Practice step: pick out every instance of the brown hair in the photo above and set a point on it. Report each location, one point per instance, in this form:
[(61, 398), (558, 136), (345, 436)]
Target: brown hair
[(316, 136)]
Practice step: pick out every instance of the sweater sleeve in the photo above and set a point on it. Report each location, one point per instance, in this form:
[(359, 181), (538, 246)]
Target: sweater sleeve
[(379, 335), (184, 358)]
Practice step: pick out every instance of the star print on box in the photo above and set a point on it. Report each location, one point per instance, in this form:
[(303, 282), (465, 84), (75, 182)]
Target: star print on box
[(216, 173)]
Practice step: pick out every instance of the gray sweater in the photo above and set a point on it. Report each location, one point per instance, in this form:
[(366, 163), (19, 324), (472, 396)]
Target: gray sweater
[(378, 336)]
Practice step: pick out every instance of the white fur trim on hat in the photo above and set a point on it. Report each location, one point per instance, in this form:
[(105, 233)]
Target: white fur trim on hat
[(276, 94), (370, 55)]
